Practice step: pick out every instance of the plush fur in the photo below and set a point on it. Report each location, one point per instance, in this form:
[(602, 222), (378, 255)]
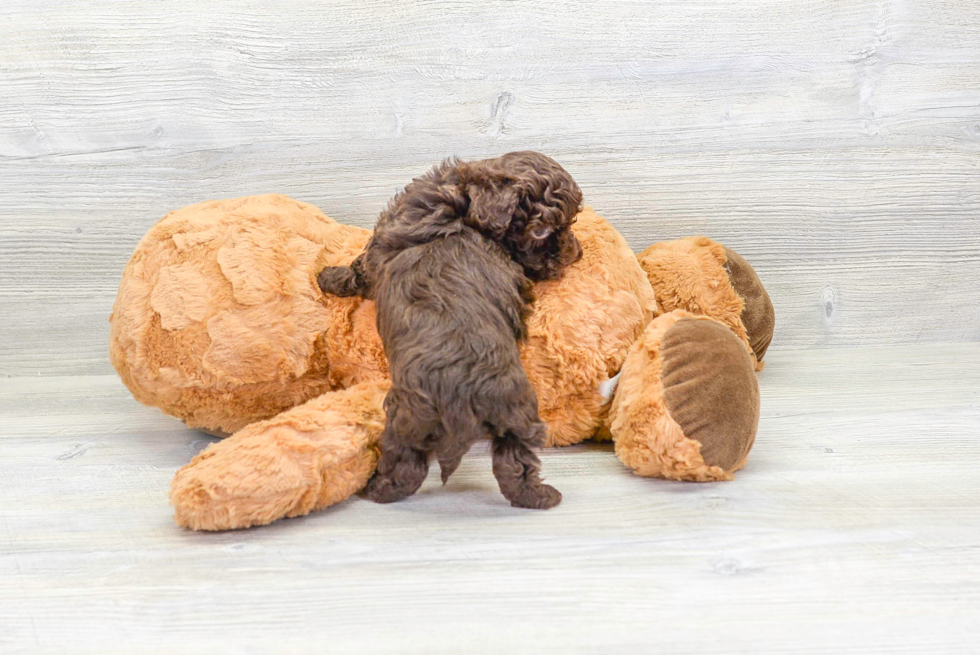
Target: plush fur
[(254, 260), (450, 313), (208, 279), (447, 265), (648, 438), (299, 461), (524, 201), (579, 332), (693, 274)]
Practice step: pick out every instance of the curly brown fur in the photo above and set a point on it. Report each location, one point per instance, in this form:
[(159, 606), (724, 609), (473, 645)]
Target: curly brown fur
[(450, 313), (448, 266), (525, 201)]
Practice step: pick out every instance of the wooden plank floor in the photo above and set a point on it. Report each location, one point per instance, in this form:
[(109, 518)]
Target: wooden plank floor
[(854, 528)]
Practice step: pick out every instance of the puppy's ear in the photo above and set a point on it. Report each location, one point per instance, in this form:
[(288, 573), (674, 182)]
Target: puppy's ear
[(491, 208)]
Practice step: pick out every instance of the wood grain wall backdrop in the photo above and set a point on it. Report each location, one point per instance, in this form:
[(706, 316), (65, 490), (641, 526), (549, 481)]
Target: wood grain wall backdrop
[(835, 144)]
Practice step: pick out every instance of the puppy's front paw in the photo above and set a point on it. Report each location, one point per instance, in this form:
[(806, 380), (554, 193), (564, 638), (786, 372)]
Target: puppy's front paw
[(382, 489), (338, 281)]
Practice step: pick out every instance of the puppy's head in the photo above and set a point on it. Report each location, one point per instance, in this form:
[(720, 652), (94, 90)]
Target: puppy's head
[(527, 203)]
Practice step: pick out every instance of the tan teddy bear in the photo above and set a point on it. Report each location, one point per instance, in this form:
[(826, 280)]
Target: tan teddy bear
[(219, 322)]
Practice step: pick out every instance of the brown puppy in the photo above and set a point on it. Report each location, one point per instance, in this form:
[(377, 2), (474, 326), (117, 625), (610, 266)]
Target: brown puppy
[(448, 266)]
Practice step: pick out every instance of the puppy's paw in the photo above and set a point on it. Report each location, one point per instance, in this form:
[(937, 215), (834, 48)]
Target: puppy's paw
[(382, 489), (542, 496), (338, 281)]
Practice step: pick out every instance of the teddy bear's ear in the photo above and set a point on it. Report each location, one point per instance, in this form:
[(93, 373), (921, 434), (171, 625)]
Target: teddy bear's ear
[(687, 403), (704, 277), (758, 315)]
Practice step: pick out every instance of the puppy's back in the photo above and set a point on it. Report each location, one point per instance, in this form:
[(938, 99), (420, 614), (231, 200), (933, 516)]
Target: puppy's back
[(450, 313), (460, 288)]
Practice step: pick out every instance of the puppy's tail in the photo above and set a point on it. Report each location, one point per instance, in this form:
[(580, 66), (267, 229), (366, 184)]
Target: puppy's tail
[(448, 466), (462, 429)]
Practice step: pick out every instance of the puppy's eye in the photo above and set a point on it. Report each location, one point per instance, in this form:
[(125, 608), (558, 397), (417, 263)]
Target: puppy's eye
[(541, 231)]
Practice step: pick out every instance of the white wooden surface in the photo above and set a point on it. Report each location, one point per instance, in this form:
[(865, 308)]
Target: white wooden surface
[(835, 144), (855, 528)]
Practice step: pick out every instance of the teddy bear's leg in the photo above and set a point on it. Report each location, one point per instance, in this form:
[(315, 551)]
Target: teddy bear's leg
[(687, 404), (302, 460), (518, 469)]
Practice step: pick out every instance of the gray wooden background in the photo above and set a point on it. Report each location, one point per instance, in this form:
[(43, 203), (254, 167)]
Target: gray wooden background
[(834, 144)]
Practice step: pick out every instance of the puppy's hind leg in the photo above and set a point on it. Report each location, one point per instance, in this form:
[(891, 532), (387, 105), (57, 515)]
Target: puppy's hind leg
[(518, 469), (401, 471), (404, 462)]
